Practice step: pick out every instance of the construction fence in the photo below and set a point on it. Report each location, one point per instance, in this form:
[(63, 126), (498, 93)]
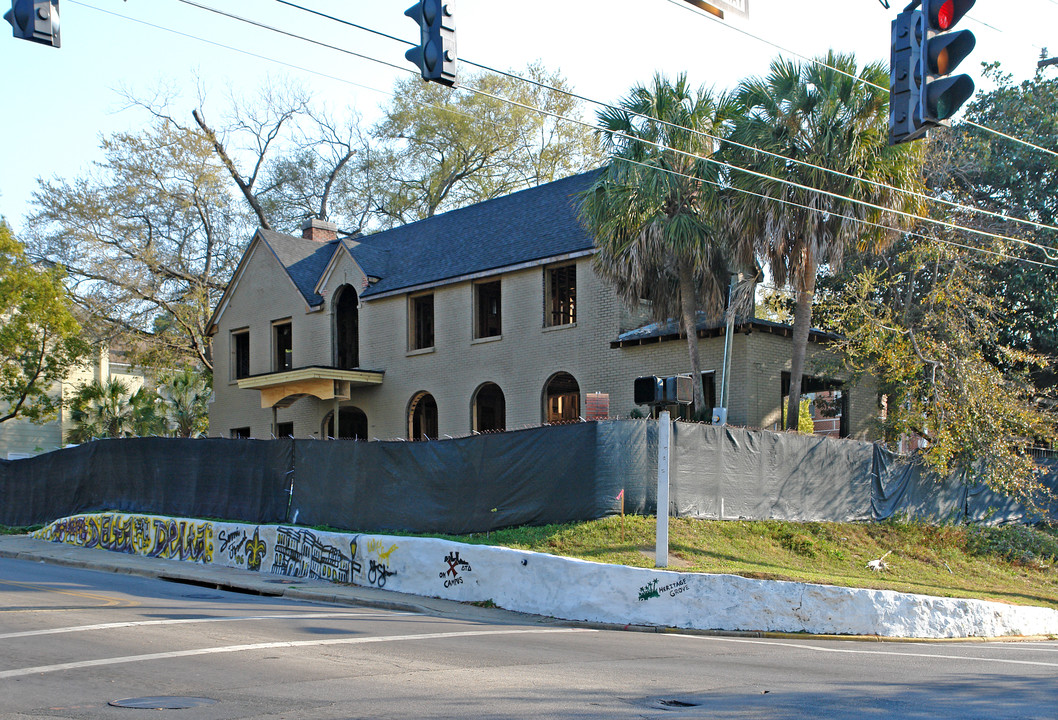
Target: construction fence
[(537, 476)]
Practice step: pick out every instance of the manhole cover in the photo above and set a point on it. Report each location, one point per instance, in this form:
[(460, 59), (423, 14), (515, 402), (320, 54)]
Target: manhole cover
[(162, 703)]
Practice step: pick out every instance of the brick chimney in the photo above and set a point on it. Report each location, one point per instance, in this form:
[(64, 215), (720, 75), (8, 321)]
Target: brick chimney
[(320, 231)]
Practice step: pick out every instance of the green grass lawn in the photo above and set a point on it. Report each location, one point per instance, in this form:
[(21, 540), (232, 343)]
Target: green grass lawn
[(1012, 564)]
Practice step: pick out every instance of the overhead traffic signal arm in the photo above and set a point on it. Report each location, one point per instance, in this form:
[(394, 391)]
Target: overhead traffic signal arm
[(35, 20)]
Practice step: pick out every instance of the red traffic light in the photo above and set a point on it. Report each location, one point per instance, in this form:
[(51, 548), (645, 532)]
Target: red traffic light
[(942, 15)]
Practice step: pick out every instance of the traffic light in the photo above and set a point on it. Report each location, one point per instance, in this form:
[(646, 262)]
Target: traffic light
[(923, 93), (901, 107), (941, 51), (435, 55), (653, 390), (35, 20)]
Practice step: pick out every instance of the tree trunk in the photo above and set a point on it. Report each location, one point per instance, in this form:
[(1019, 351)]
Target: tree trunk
[(689, 321), (802, 324)]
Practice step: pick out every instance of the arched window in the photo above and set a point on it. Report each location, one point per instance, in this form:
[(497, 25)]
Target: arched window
[(561, 399), (352, 423), (422, 417), (346, 330), (489, 409)]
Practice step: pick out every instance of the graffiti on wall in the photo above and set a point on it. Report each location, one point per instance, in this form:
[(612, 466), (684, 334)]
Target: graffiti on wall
[(301, 553), (651, 589), (242, 548), (455, 565), (167, 538), (377, 554)]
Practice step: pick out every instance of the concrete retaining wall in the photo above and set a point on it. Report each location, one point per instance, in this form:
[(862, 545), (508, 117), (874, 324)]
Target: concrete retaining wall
[(547, 585)]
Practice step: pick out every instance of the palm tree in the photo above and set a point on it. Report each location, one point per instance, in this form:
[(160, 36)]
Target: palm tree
[(187, 396), (822, 113), (655, 210), (110, 410)]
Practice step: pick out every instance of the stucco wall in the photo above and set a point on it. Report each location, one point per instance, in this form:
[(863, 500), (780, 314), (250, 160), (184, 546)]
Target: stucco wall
[(548, 585)]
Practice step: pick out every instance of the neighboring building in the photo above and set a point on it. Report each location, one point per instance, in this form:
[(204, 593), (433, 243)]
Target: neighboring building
[(20, 438), (485, 318)]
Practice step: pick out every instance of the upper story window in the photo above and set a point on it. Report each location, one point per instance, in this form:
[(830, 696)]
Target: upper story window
[(560, 295), (283, 342), (240, 353), (487, 309), (420, 322)]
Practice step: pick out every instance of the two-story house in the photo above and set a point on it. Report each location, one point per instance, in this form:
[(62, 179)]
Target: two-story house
[(485, 318)]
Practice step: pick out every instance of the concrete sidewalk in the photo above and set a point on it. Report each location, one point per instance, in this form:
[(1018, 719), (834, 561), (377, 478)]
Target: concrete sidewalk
[(23, 547)]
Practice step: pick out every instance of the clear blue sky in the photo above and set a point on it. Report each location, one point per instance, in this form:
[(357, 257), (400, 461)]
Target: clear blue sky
[(57, 103)]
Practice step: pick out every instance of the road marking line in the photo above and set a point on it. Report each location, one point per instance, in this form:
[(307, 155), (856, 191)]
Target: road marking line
[(40, 669), (186, 621), (848, 651), (108, 601)]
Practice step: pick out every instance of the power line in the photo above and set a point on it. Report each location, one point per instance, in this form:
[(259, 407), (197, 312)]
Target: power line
[(588, 125), (912, 193), (861, 221), (682, 4)]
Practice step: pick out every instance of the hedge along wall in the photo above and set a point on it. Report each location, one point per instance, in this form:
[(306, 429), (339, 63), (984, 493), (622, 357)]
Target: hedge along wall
[(546, 585), (537, 476)]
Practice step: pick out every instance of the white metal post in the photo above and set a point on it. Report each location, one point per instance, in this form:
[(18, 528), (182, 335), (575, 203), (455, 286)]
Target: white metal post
[(661, 548)]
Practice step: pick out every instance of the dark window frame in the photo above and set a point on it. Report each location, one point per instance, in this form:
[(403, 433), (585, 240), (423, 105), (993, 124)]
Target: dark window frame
[(488, 318), (240, 353), (282, 345), (560, 295), (239, 433), (421, 321)]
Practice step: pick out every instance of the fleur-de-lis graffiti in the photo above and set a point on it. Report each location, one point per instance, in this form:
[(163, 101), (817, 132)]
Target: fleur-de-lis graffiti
[(255, 551)]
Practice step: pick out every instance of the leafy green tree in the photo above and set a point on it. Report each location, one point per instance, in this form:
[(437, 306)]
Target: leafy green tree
[(828, 114), (40, 340), (924, 322), (186, 402), (656, 210), (997, 174), (110, 409), (439, 149)]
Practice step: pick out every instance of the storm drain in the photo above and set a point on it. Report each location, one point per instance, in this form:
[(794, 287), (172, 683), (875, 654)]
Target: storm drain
[(162, 703), (267, 592), (673, 704)]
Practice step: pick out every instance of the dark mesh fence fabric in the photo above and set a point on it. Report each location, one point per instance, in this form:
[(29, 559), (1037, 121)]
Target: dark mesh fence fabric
[(538, 476), (527, 477), (233, 479)]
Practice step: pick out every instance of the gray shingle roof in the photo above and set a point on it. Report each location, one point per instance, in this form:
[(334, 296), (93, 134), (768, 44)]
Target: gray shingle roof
[(529, 225)]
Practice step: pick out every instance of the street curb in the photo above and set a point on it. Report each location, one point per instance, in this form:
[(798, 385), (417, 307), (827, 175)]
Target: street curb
[(228, 579)]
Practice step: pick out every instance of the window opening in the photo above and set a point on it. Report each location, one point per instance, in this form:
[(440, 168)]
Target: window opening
[(490, 409), (240, 433), (561, 295), (352, 424), (422, 322), (487, 309), (346, 330), (422, 418), (240, 354), (284, 345), (562, 399)]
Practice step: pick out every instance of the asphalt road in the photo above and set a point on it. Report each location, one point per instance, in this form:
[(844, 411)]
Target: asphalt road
[(73, 640)]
